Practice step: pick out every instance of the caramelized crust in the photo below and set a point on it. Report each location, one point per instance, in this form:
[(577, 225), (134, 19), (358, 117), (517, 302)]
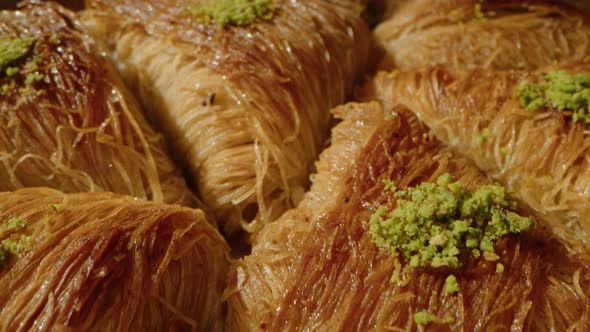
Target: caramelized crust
[(508, 34), (335, 278), (246, 108), (77, 129), (103, 262), (542, 156)]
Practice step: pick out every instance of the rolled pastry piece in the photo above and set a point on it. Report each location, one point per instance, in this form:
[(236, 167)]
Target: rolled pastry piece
[(66, 119), (105, 262), (327, 273), (543, 155), (492, 34), (245, 107)]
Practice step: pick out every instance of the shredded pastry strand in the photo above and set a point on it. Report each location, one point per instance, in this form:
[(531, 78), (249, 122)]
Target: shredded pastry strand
[(78, 128), (541, 156), (493, 34), (100, 261), (246, 108), (326, 274)]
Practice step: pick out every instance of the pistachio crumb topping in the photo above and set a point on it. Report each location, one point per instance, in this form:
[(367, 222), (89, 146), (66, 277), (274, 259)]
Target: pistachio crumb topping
[(54, 39), (486, 133), (11, 71), (14, 49), (389, 185), (434, 223), (451, 285), (561, 91), (32, 78), (478, 14), (13, 224), (424, 317), (16, 243), (17, 64), (499, 268), (234, 12), (56, 207)]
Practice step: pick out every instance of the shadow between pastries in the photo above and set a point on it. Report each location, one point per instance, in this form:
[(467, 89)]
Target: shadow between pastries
[(66, 119), (541, 155), (323, 272), (246, 108), (104, 262), (496, 34)]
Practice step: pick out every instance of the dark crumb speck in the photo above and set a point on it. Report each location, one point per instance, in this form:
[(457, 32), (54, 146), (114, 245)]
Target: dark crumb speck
[(209, 99)]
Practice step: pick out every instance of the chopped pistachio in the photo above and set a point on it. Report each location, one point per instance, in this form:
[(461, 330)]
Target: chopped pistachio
[(424, 317), (490, 256), (33, 78), (504, 150), (454, 15), (561, 91), (389, 185), (14, 49), (11, 71), (434, 223), (46, 221), (19, 244), (54, 39), (13, 224), (499, 268), (390, 116), (234, 12), (484, 135), (478, 14), (56, 207), (451, 285)]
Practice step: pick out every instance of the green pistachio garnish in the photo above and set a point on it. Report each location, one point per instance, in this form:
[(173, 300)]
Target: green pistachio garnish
[(11, 71), (18, 245), (389, 185), (478, 14), (424, 317), (54, 39), (560, 90), (451, 285), (234, 12), (56, 207), (32, 78), (13, 224), (484, 135), (14, 49), (434, 223)]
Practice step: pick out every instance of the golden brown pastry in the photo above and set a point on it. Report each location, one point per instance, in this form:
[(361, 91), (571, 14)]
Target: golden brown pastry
[(543, 156), (327, 274), (245, 107), (499, 34), (104, 262), (66, 119)]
